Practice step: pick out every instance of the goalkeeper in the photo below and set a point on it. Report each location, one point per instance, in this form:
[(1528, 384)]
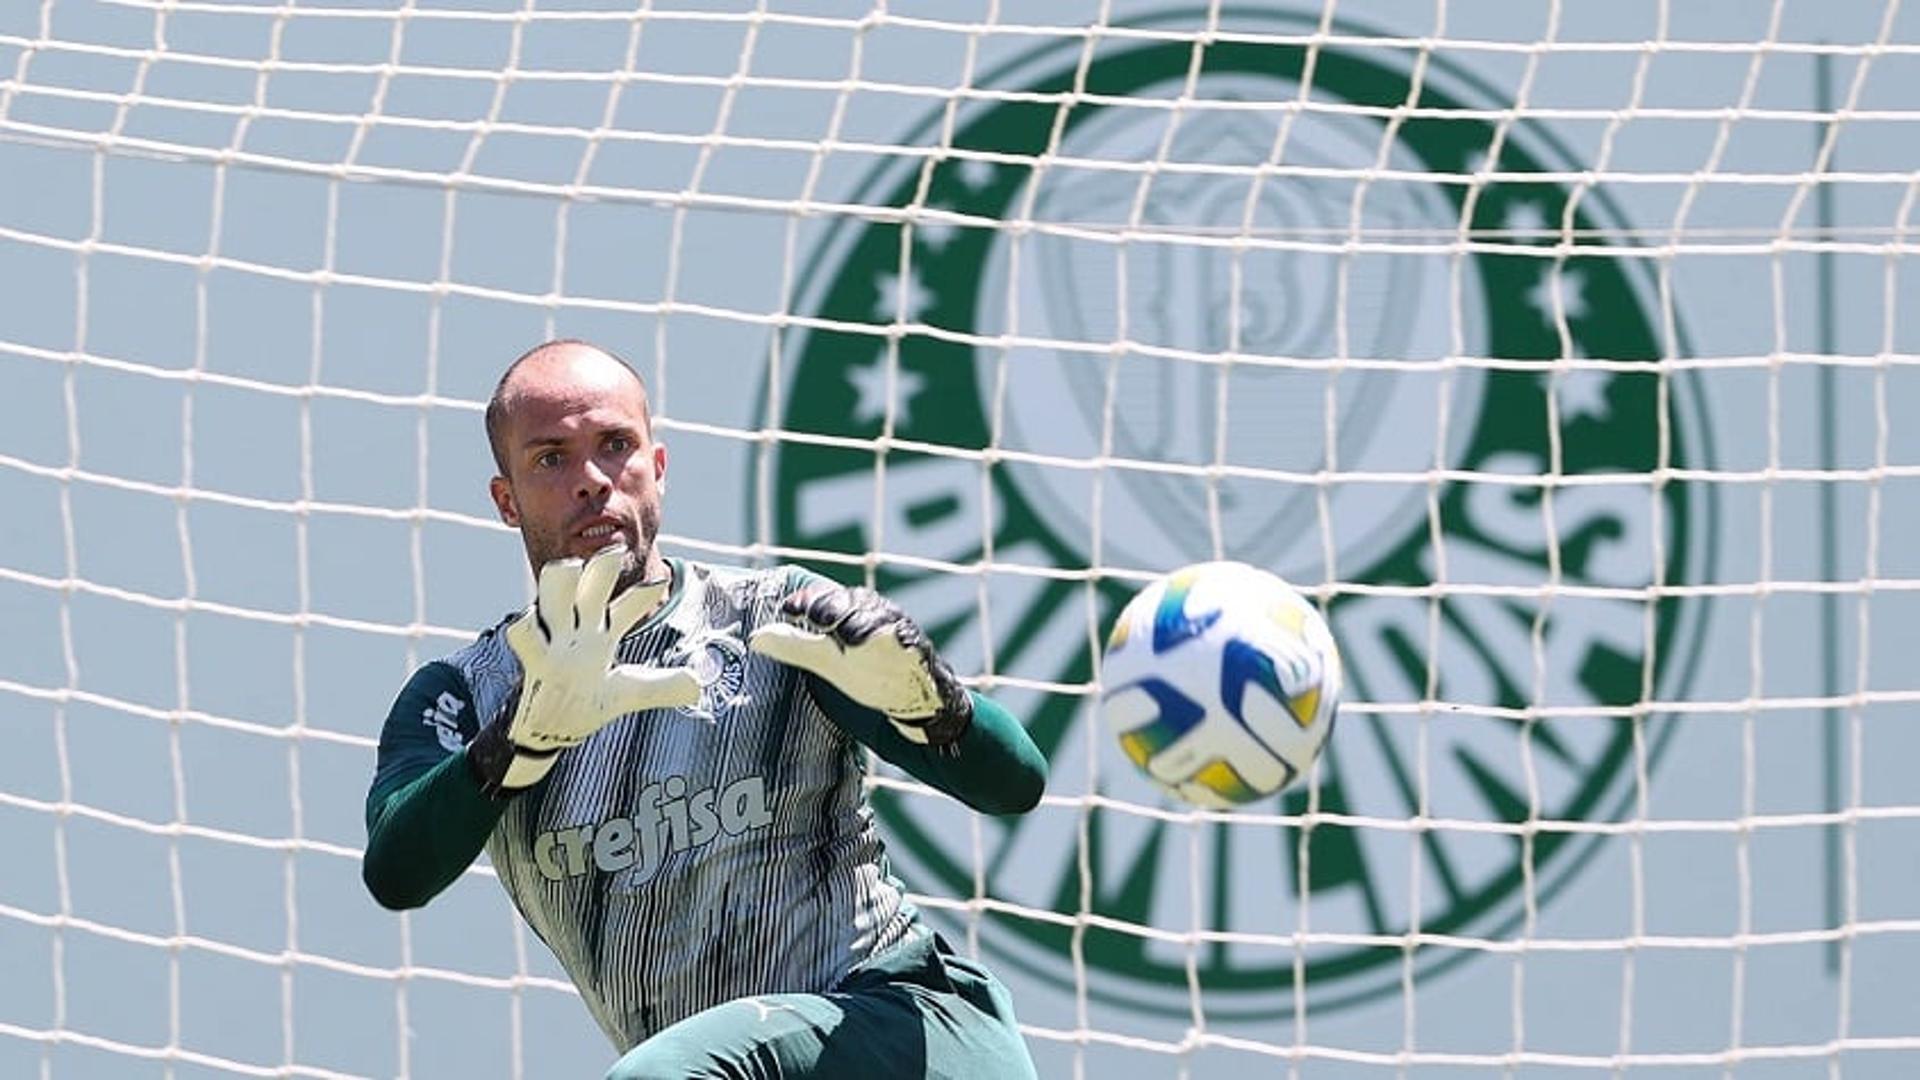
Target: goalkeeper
[(663, 760)]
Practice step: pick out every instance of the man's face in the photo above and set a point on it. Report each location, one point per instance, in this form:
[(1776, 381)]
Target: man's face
[(581, 470)]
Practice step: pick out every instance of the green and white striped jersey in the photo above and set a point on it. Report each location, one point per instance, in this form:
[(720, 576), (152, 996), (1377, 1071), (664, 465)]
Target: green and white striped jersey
[(680, 858)]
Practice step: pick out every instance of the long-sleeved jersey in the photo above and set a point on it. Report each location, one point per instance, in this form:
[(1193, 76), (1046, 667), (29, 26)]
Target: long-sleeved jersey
[(679, 858)]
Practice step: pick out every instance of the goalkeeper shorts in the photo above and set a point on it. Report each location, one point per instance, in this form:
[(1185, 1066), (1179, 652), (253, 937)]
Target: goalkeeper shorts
[(918, 1010)]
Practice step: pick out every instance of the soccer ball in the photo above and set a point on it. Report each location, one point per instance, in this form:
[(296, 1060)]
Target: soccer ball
[(1221, 683)]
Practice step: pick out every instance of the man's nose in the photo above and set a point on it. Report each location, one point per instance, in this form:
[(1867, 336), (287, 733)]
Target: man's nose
[(593, 482)]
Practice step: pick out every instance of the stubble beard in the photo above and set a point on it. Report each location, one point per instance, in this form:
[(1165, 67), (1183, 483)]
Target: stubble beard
[(640, 559), (545, 545)]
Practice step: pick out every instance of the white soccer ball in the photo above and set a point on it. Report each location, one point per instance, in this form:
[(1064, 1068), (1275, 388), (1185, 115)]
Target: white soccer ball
[(1221, 683)]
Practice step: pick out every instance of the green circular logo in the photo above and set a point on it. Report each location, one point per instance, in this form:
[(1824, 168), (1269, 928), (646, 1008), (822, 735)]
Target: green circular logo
[(1142, 331)]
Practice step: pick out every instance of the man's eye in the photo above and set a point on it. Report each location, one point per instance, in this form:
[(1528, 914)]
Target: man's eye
[(619, 444), (548, 459)]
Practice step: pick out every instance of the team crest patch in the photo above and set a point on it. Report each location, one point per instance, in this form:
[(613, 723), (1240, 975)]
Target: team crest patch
[(718, 658)]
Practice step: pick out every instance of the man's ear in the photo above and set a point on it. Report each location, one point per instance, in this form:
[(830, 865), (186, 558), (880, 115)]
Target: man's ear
[(502, 494), (660, 466)]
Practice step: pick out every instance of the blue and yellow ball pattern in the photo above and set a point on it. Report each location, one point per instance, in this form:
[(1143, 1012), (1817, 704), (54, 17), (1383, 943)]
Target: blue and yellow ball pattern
[(1221, 683)]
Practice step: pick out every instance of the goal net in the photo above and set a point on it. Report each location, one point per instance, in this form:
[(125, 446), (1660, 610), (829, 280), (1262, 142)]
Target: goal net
[(1559, 350)]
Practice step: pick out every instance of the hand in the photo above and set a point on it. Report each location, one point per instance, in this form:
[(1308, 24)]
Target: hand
[(875, 654), (570, 685)]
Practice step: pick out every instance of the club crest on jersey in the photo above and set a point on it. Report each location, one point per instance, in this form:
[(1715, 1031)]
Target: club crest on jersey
[(718, 658), (667, 820)]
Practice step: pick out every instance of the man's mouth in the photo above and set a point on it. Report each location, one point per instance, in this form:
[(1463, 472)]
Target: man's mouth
[(601, 531)]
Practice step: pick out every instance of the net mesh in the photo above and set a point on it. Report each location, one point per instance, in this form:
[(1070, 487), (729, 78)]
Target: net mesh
[(1556, 349)]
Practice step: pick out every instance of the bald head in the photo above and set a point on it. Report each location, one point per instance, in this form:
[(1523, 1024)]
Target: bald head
[(572, 433), (565, 366)]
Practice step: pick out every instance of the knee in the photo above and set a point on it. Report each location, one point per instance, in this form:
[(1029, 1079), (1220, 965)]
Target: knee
[(648, 1062), (748, 1039), (629, 1067), (707, 1070), (661, 1071), (666, 1057)]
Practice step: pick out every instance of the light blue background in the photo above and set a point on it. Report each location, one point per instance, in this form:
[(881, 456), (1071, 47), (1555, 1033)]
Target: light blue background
[(205, 267)]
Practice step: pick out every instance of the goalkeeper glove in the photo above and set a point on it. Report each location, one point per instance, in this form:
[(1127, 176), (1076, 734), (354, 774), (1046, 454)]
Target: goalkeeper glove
[(570, 686), (875, 654)]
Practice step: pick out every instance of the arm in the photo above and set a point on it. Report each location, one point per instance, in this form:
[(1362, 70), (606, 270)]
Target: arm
[(874, 671), (993, 767), (427, 818)]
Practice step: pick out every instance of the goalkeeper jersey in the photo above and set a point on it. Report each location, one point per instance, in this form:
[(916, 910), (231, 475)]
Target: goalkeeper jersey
[(679, 858)]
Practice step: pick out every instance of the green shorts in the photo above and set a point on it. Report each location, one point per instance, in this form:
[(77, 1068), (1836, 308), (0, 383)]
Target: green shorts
[(916, 1011)]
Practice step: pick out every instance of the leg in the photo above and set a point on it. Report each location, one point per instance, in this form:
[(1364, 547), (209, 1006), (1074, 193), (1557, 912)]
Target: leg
[(920, 1013), (785, 1037)]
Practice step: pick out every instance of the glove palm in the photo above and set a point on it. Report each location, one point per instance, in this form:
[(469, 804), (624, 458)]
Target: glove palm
[(875, 654), (571, 685)]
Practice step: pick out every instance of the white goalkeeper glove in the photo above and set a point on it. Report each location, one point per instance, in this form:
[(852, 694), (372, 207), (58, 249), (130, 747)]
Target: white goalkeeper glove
[(875, 654), (570, 685)]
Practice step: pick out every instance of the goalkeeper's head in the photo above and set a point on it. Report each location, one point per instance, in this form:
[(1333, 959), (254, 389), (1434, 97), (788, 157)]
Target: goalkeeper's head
[(578, 468)]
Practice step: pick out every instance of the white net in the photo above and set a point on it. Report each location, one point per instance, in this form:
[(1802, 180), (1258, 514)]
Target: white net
[(1560, 349)]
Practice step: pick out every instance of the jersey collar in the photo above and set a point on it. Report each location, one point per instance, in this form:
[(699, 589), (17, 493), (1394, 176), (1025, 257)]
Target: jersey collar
[(677, 572)]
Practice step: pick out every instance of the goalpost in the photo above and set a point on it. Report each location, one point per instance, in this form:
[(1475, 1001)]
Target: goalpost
[(1559, 350)]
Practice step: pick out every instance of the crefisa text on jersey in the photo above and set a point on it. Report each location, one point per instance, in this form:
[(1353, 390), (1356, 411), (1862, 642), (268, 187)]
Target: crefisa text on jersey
[(667, 820)]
